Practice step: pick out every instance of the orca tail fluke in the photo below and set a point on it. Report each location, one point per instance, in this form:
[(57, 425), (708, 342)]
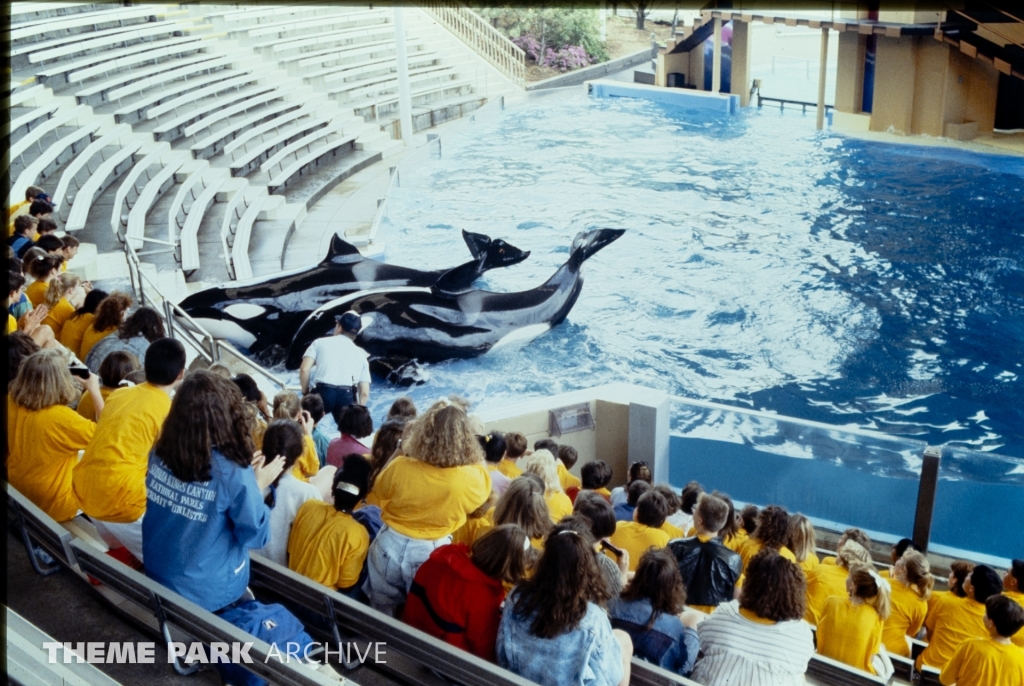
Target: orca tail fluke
[(587, 243), (476, 242)]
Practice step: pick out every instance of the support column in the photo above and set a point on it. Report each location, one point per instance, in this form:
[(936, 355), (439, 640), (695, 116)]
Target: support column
[(716, 59), (404, 92), (740, 80), (822, 70)]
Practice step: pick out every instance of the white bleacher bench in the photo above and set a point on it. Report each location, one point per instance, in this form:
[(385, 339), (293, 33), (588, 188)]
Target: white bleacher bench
[(233, 212), (423, 91), (72, 116), (19, 97), (174, 129), (104, 175), (27, 48), (33, 12), (382, 64), (388, 83), (47, 162), (836, 673), (179, 93), (110, 60), (101, 92), (86, 160), (243, 232), (131, 35), (131, 186), (332, 59), (217, 142), (316, 155), (24, 122), (189, 244), (255, 14), (260, 99), (289, 26), (277, 47), (187, 74), (83, 21), (29, 663), (258, 154), (154, 189)]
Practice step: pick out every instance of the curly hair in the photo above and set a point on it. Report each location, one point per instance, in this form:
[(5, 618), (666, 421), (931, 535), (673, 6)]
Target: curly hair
[(775, 588), (145, 322), (207, 412), (772, 527), (566, 579), (542, 463), (442, 437), (110, 312), (657, 579), (523, 504)]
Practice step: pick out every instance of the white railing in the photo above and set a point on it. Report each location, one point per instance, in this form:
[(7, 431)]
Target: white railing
[(206, 346), (484, 39)]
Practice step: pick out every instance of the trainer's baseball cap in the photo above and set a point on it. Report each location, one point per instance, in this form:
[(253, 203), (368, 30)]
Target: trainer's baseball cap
[(350, 322)]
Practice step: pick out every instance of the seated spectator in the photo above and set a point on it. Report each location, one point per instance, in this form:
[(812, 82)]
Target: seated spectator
[(802, 541), (354, 422), (911, 582), (687, 503), (140, 329), (515, 447), (896, 552), (672, 507), (43, 270), (458, 592), (48, 227), (18, 304), (288, 493), (651, 611), (74, 328), (314, 405), (493, 445), (854, 534), (760, 639), (772, 532), (327, 543), (70, 249), (403, 408), (31, 322), (478, 522), (638, 471), (425, 496), (624, 510), (25, 232), (850, 628), (64, 296), (21, 207), (732, 534), (991, 660), (542, 463), (1013, 583), (19, 347), (386, 446), (546, 444), (553, 631), (44, 435), (594, 476), (955, 621), (825, 581), (113, 371), (567, 457), (51, 243), (644, 531), (110, 480), (614, 565), (287, 405), (749, 516), (256, 406), (709, 570), (110, 314), (523, 504)]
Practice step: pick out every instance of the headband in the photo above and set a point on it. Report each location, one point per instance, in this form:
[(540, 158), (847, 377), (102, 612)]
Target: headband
[(879, 581), (568, 531), (347, 488)]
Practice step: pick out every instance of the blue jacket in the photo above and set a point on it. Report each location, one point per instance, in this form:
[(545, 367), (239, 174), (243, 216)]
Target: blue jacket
[(623, 512), (667, 644), (196, 536)]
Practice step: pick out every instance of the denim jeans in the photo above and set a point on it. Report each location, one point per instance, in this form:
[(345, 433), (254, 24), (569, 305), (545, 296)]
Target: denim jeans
[(391, 565), (334, 396)]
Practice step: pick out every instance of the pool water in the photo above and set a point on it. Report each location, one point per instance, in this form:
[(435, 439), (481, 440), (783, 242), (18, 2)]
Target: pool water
[(765, 265)]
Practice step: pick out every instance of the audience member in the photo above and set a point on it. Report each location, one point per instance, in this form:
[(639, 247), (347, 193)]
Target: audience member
[(912, 583), (553, 629), (1013, 588), (992, 660), (386, 446), (851, 534), (314, 405), (825, 581), (762, 638), (43, 270), (748, 515), (140, 329), (624, 510), (515, 447), (542, 463), (955, 621), (802, 541), (687, 503), (644, 531), (21, 207), (71, 246), (594, 476), (19, 347), (64, 296), (546, 444), (287, 405), (709, 570), (651, 611), (51, 243), (458, 592), (772, 532), (614, 566), (850, 628), (74, 328), (221, 370), (478, 522), (354, 422), (26, 230), (425, 496), (671, 507), (493, 445), (732, 534), (567, 457), (112, 372), (110, 314), (26, 319), (638, 471), (897, 550), (403, 408), (256, 406), (523, 504), (48, 227), (44, 435), (110, 480)]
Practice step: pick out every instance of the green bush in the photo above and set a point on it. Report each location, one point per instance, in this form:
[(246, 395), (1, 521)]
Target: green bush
[(553, 27)]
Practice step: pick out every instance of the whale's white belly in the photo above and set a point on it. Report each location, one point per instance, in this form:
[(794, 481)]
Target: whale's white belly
[(521, 336)]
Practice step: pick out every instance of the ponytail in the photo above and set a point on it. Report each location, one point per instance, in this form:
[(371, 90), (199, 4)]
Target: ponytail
[(918, 572), (60, 287), (872, 589)]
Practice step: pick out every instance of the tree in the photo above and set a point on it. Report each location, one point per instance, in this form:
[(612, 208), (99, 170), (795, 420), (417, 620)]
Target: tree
[(642, 9)]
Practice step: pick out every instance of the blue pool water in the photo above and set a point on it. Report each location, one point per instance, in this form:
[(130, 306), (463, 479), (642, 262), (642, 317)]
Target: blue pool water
[(765, 265)]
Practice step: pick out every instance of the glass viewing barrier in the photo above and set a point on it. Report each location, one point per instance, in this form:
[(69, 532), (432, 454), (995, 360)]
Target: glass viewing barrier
[(843, 477)]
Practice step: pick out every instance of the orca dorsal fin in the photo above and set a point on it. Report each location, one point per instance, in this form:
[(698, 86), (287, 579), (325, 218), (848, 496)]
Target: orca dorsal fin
[(342, 251)]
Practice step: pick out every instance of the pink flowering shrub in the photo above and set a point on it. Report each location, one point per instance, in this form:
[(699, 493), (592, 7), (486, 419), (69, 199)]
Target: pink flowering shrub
[(569, 57)]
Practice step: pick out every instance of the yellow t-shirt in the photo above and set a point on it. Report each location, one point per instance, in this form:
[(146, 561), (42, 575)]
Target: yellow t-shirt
[(427, 502), (308, 463), (984, 662), (59, 314), (954, 621), (736, 541), (603, 491), (73, 331), (509, 468), (567, 479), (87, 409), (91, 337), (13, 210), (326, 545), (823, 582), (753, 546), (36, 292), (672, 530), (110, 481), (559, 506), (43, 446), (474, 528), (637, 538), (850, 633), (809, 563), (12, 325), (1017, 638), (906, 618)]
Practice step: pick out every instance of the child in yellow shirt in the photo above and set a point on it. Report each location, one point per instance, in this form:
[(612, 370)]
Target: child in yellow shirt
[(515, 447), (543, 464), (772, 532), (567, 457), (825, 581), (956, 620), (911, 586), (850, 628), (992, 661), (644, 531), (1013, 583), (803, 542)]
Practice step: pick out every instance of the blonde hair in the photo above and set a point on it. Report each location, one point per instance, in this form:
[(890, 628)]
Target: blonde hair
[(60, 287), (542, 463), (918, 573), (43, 381), (869, 587), (287, 405), (523, 504), (851, 553), (801, 537), (442, 437)]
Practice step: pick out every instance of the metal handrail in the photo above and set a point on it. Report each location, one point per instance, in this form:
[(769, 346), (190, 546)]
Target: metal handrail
[(783, 102)]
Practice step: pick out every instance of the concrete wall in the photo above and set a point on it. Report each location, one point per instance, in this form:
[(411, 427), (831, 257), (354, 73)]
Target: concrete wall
[(929, 88), (850, 72), (971, 90), (895, 74), (741, 50), (595, 71)]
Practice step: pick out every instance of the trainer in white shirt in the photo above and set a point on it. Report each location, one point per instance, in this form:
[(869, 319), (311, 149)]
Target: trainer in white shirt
[(337, 363)]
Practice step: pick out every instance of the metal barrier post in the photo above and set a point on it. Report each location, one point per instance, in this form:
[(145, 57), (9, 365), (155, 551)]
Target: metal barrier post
[(926, 496)]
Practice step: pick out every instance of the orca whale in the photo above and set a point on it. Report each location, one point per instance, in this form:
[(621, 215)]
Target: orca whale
[(425, 324), (262, 315)]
